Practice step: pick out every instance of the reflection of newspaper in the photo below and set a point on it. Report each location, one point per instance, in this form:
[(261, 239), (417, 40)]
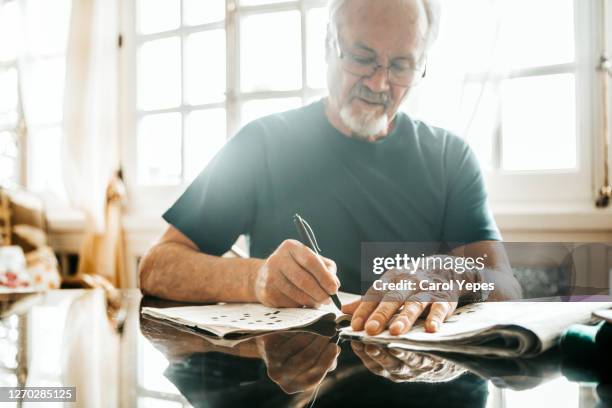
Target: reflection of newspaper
[(247, 318), (505, 329)]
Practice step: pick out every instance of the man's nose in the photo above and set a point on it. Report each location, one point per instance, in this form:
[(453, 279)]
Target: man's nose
[(379, 80)]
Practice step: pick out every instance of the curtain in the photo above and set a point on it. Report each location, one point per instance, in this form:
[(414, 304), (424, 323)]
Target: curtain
[(90, 148)]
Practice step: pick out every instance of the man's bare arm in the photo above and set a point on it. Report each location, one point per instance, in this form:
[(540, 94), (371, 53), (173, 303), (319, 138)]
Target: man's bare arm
[(292, 276), (175, 269)]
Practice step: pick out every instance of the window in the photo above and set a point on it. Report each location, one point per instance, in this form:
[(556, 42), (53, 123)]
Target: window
[(9, 96), (202, 73), (512, 78), (32, 66), (521, 95)]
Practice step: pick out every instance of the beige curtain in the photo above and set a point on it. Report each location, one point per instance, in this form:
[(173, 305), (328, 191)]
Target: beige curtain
[(91, 145)]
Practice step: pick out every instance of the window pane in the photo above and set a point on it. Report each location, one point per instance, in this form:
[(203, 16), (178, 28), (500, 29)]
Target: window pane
[(159, 149), (8, 97), (8, 144), (159, 74), (205, 135), (155, 16), (252, 110), (10, 21), (8, 159), (203, 11), (8, 172), (539, 123), (45, 90), (486, 35), (44, 159), (205, 67), (271, 59), (470, 110), (46, 26), (316, 30), (467, 39), (537, 32)]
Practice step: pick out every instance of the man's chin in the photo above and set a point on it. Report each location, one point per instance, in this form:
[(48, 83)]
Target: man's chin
[(365, 124)]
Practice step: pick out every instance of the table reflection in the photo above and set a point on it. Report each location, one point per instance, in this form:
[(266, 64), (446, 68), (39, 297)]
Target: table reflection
[(71, 338)]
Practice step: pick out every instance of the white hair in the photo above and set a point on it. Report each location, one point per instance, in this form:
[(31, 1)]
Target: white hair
[(432, 12), (363, 125)]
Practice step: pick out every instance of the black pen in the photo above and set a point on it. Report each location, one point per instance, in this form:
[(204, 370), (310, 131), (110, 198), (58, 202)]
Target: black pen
[(308, 238)]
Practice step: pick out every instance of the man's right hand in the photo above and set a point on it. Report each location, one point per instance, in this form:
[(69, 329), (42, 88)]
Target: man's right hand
[(295, 276)]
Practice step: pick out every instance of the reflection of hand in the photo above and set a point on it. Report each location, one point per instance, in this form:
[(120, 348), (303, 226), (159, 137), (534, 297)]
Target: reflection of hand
[(376, 310), (405, 366), (297, 361)]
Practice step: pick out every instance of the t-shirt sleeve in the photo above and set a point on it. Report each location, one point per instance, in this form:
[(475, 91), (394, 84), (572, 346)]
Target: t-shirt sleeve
[(467, 216), (219, 205)]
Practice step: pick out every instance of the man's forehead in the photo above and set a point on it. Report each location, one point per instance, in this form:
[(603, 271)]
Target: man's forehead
[(389, 26)]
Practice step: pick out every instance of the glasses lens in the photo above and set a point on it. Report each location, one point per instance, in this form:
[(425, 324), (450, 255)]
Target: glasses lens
[(408, 78)]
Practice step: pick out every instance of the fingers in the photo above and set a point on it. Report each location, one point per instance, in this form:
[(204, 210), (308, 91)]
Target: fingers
[(368, 362), (294, 276), (406, 318), (292, 346), (285, 301), (324, 363), (378, 319), (300, 278), (314, 348), (314, 265), (384, 358), (361, 314), (350, 308), (288, 362), (330, 264), (289, 290), (437, 315)]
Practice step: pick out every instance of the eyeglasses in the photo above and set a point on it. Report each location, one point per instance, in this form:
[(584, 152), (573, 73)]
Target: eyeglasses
[(398, 73)]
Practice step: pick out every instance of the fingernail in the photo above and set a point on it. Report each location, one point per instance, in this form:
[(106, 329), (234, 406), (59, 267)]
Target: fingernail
[(375, 352), (396, 352), (357, 323), (398, 326), (434, 326), (372, 326)]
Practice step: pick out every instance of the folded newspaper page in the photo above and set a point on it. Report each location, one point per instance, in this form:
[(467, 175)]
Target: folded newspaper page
[(500, 329)]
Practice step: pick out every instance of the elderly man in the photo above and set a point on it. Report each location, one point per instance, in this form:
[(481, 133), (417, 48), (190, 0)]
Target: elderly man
[(354, 167)]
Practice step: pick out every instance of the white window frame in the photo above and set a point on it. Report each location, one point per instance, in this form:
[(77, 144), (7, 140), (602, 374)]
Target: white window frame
[(17, 129), (571, 187), (23, 130), (153, 199), (567, 188)]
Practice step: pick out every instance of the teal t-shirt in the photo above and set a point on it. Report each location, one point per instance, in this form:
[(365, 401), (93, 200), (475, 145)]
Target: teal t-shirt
[(418, 184)]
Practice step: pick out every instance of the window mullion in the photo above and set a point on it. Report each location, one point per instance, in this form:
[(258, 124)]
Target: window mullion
[(232, 67), (304, 50), (183, 101)]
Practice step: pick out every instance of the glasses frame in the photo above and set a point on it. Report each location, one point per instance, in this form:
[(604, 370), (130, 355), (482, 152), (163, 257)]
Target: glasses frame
[(376, 66)]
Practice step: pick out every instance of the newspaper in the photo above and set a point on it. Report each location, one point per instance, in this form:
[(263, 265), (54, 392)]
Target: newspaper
[(500, 329)]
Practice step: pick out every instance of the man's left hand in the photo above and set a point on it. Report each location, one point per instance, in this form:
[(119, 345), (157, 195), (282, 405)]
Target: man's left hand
[(377, 309)]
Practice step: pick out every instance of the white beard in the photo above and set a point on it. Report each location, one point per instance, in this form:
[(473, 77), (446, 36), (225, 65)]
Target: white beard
[(364, 125)]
